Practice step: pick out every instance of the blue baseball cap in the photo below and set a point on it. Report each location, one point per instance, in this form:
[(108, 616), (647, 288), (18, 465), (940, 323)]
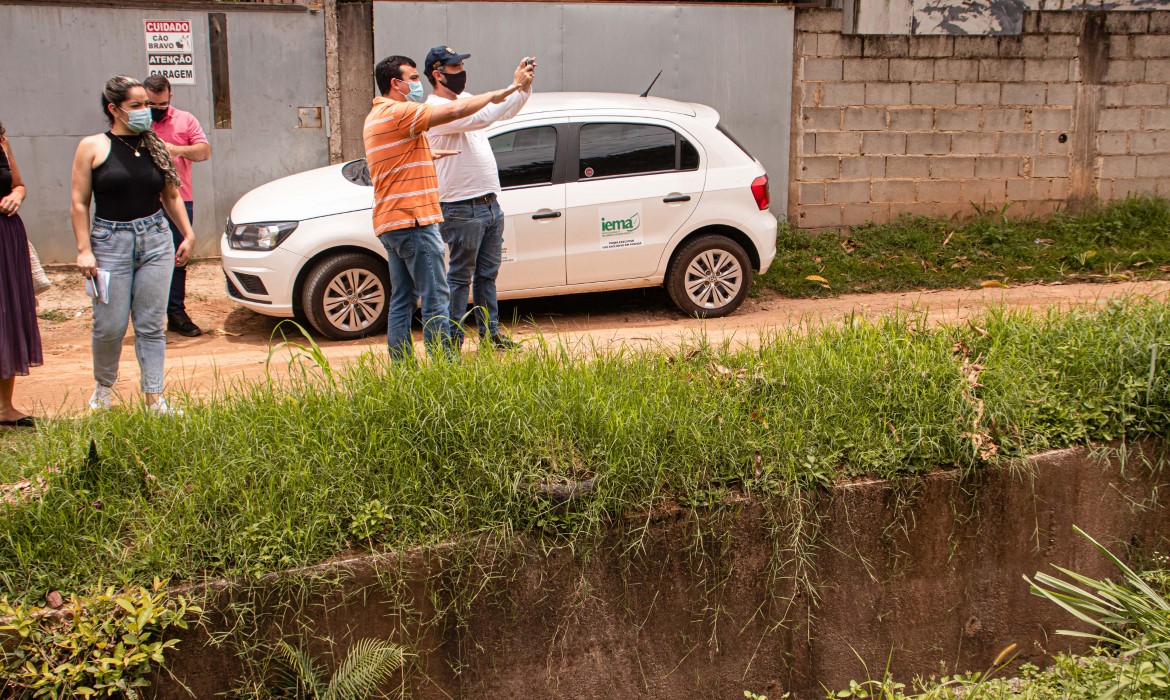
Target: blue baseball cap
[(443, 56)]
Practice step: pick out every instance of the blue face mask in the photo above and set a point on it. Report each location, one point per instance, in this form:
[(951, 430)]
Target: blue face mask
[(416, 92), (139, 119)]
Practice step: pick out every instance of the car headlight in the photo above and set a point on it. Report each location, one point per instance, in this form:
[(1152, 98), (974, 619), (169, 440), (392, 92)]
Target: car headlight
[(262, 236)]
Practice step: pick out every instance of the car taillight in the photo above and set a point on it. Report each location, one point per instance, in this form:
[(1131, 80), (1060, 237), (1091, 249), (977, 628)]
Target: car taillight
[(760, 192)]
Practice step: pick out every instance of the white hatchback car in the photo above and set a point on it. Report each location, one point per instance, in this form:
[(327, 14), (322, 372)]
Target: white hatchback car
[(600, 192)]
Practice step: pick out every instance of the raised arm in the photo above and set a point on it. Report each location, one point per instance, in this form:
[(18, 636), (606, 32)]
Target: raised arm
[(458, 109), (495, 112), (485, 117)]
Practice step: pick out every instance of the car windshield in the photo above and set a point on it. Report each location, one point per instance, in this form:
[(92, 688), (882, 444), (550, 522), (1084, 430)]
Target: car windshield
[(357, 172)]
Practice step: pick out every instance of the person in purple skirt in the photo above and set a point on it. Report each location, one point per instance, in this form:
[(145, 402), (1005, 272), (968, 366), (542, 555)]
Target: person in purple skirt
[(20, 339)]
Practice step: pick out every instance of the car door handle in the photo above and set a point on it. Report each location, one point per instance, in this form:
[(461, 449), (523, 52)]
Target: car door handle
[(547, 215), (678, 198)]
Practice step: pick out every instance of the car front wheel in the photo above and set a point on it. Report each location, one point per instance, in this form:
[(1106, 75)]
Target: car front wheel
[(345, 296), (710, 277)]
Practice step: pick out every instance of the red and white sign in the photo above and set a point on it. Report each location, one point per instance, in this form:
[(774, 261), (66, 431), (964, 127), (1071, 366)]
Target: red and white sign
[(170, 50)]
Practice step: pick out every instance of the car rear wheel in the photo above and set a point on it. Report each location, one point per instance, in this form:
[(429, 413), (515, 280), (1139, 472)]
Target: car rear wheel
[(710, 277), (345, 296)]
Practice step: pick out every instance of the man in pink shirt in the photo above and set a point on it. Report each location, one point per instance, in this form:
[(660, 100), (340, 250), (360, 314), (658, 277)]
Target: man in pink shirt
[(186, 143)]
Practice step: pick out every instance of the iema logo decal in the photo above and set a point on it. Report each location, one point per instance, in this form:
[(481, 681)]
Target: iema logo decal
[(621, 225)]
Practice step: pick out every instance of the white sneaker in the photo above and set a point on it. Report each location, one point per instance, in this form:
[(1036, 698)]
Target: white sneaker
[(162, 408), (102, 395)]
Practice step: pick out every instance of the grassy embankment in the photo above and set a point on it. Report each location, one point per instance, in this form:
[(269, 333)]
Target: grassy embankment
[(1126, 240), (267, 477)]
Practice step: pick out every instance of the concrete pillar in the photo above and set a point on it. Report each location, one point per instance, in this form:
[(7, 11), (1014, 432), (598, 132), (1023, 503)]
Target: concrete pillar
[(1093, 54)]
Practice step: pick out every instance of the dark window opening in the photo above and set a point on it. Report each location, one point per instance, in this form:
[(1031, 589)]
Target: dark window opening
[(614, 150), (525, 157)]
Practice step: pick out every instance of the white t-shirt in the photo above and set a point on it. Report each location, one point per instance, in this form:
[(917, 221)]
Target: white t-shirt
[(473, 172)]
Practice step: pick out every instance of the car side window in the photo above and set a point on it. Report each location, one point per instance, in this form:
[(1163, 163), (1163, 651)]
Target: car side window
[(525, 157), (612, 150)]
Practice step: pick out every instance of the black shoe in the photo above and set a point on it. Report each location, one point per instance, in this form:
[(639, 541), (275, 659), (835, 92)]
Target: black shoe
[(22, 422), (501, 342), (182, 324)]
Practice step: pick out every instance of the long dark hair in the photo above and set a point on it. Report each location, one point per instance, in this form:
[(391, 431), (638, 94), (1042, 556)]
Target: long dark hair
[(115, 93)]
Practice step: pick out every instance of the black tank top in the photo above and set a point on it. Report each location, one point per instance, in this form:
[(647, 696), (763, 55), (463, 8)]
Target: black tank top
[(126, 186), (5, 175)]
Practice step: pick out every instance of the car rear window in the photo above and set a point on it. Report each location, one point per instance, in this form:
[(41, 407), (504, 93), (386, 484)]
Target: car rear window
[(614, 150), (734, 140)]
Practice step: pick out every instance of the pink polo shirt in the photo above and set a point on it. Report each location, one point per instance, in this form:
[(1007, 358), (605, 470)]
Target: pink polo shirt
[(181, 128)]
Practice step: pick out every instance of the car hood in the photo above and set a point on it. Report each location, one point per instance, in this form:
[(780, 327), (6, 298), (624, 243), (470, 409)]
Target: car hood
[(307, 195)]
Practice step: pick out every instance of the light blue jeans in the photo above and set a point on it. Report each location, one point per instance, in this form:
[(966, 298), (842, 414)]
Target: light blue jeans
[(140, 257), (417, 271), (475, 235)]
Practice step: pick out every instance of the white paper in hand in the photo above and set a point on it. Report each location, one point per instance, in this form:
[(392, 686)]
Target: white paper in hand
[(98, 286)]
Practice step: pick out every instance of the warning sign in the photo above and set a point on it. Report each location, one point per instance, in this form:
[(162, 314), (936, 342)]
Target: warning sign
[(170, 50)]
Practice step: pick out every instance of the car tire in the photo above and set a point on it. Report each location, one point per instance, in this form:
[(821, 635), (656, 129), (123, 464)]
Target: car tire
[(346, 296), (709, 277)]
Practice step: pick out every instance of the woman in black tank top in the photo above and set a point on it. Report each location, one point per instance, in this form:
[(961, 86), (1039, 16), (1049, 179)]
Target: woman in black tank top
[(126, 249), (20, 338)]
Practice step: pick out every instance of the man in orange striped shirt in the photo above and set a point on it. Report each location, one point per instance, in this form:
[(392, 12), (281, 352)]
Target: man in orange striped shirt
[(406, 200)]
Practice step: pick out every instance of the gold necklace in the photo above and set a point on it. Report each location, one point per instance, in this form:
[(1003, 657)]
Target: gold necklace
[(133, 148)]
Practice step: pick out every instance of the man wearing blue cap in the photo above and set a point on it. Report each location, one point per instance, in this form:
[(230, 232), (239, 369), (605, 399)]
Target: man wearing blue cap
[(469, 183)]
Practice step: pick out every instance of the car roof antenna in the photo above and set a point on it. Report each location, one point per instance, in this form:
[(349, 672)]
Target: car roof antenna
[(647, 93)]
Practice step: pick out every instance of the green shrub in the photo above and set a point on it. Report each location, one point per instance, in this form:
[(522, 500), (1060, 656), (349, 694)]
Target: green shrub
[(101, 645)]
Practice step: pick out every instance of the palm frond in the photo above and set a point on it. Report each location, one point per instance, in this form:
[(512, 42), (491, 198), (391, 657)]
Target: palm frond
[(1131, 615), (369, 663), (303, 666)]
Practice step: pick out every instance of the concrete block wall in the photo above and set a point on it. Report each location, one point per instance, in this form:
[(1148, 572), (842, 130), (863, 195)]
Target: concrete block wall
[(1075, 107)]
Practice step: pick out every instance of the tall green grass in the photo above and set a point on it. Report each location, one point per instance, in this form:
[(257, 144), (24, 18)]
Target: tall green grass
[(1128, 239), (269, 476)]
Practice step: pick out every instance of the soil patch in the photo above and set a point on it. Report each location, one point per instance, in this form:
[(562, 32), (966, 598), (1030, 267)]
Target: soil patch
[(237, 341)]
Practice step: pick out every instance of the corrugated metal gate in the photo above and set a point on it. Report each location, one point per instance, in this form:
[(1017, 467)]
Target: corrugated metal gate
[(54, 61), (736, 58)]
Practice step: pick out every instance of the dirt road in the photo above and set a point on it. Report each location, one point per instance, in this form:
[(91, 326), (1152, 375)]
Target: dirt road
[(236, 343)]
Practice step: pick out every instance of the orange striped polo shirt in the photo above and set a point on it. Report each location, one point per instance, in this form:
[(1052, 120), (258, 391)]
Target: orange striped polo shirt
[(406, 189)]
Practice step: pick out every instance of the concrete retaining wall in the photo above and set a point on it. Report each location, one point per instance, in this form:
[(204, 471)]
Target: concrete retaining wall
[(704, 604)]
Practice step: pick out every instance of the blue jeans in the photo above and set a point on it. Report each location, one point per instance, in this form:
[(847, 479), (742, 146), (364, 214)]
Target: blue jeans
[(177, 303), (416, 271), (140, 257), (475, 235)]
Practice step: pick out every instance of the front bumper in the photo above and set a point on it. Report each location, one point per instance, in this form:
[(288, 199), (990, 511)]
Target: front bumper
[(262, 281)]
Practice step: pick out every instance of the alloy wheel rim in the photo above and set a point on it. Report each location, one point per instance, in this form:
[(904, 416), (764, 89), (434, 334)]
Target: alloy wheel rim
[(354, 300), (713, 279)]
